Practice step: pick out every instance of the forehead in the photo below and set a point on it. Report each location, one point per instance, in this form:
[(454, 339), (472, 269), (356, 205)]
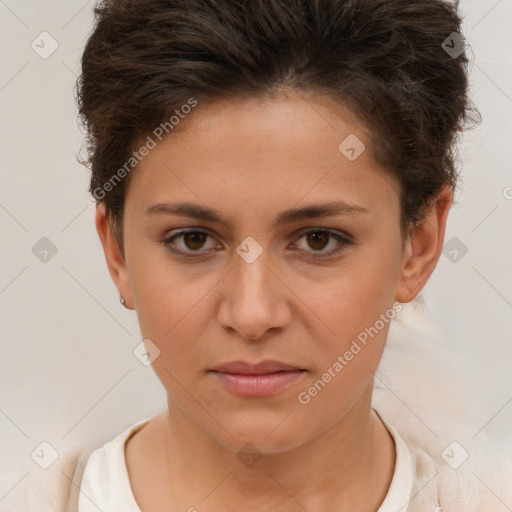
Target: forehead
[(271, 150)]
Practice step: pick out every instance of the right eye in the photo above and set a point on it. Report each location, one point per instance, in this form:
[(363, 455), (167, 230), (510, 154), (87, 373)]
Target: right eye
[(190, 242)]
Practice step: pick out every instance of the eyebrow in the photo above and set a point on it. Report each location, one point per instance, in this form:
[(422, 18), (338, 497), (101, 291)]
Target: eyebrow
[(313, 211)]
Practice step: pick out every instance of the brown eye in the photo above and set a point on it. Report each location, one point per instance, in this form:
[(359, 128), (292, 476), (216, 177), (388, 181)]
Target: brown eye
[(322, 243), (194, 240), (318, 239), (190, 243)]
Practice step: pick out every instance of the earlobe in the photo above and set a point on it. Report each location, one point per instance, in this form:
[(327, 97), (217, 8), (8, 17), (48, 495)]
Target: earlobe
[(423, 248), (115, 260)]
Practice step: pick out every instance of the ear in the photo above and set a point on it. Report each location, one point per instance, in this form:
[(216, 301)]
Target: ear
[(423, 248), (115, 260)]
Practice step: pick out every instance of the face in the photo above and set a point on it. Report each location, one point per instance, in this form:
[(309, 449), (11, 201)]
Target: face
[(283, 250)]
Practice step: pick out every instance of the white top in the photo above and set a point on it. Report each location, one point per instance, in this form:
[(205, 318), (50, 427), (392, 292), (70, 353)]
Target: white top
[(106, 486)]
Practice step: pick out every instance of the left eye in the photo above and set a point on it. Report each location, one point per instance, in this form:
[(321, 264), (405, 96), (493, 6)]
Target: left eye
[(318, 239)]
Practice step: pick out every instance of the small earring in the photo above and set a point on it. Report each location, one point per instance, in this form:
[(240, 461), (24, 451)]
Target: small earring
[(122, 301)]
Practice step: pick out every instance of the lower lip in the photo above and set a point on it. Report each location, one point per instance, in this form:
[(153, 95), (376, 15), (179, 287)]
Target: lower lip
[(258, 385)]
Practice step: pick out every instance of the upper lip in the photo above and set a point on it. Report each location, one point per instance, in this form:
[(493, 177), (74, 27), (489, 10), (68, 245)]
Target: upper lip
[(261, 368)]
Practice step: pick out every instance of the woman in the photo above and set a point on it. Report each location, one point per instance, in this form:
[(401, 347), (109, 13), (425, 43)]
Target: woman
[(272, 180)]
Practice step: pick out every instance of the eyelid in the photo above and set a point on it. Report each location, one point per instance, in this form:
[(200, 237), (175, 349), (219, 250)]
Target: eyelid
[(173, 235), (343, 238), (314, 229)]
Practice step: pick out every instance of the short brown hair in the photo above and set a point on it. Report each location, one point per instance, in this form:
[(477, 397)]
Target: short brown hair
[(384, 59)]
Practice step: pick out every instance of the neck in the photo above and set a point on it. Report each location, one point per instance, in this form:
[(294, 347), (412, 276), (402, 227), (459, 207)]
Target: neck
[(348, 467)]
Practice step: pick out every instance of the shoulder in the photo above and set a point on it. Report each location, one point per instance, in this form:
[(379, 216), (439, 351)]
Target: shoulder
[(100, 474), (465, 475), (474, 474), (431, 402)]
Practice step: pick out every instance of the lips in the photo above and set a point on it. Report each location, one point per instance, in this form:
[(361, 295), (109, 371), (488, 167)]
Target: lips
[(261, 379), (262, 368)]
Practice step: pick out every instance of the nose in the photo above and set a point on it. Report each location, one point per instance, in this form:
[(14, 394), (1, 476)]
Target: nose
[(254, 301)]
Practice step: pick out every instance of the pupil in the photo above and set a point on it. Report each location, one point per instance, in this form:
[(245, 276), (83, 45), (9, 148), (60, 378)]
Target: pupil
[(316, 237), (194, 238)]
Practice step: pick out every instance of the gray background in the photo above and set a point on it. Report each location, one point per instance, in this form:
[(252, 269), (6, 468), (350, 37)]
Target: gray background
[(68, 374)]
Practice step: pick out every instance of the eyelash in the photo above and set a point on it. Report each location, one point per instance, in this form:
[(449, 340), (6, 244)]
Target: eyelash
[(345, 241)]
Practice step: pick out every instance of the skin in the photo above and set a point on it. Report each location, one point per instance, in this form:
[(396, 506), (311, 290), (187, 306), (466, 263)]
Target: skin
[(250, 159)]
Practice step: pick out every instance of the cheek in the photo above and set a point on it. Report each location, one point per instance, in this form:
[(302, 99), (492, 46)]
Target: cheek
[(357, 306), (172, 309), (170, 312), (354, 296), (345, 362)]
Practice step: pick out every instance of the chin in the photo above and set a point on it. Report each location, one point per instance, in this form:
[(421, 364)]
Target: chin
[(268, 433)]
